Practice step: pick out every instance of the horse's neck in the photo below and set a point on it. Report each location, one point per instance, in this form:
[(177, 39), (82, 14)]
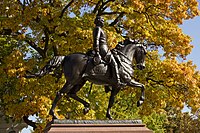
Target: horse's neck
[(129, 51)]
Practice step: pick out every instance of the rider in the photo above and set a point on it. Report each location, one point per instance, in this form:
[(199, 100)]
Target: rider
[(101, 48)]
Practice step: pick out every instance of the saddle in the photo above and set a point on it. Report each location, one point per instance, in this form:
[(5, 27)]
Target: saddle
[(94, 68), (104, 67), (106, 59)]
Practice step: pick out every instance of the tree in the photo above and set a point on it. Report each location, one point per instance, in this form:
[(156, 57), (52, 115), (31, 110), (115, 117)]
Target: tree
[(32, 32), (181, 122)]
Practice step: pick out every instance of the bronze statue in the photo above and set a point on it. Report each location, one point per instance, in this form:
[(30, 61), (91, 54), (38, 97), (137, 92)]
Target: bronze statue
[(80, 67)]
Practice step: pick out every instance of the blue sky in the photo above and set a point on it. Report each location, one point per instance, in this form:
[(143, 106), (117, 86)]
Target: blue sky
[(192, 28)]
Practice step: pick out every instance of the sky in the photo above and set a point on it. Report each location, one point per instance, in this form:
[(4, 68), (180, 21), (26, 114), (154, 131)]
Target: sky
[(192, 28)]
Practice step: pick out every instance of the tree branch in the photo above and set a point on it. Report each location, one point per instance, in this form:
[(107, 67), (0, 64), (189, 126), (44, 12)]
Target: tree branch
[(55, 50), (117, 19), (46, 33), (19, 1), (65, 8), (160, 82), (34, 46), (117, 30), (103, 7), (29, 122), (148, 19), (108, 1), (6, 31), (110, 13), (97, 6)]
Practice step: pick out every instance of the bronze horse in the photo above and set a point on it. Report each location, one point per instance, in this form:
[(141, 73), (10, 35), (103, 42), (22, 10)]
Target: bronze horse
[(79, 68)]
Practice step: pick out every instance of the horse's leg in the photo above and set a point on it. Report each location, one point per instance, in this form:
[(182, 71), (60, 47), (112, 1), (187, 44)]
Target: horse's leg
[(133, 83), (67, 86), (111, 101), (72, 94)]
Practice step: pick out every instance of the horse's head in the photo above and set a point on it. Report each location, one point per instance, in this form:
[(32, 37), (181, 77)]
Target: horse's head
[(133, 50), (139, 55)]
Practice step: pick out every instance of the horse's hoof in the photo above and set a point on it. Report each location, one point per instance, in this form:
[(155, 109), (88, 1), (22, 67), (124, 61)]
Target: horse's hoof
[(139, 103), (86, 110), (109, 116)]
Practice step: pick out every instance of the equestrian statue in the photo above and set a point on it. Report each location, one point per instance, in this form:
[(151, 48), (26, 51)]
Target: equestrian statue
[(101, 66)]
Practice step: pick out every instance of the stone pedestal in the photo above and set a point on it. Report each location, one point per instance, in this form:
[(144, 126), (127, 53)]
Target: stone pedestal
[(96, 126)]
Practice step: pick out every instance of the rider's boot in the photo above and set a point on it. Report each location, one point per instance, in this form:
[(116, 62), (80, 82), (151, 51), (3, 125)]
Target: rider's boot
[(116, 72), (119, 83)]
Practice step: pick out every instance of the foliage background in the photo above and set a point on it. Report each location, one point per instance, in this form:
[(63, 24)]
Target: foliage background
[(33, 31)]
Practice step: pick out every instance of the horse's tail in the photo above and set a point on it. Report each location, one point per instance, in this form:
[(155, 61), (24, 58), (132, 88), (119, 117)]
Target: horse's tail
[(52, 65)]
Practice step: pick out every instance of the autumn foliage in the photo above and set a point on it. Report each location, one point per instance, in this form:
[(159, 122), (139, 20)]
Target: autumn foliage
[(33, 31)]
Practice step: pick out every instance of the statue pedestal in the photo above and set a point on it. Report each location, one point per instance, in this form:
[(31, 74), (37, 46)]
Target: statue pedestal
[(96, 126)]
